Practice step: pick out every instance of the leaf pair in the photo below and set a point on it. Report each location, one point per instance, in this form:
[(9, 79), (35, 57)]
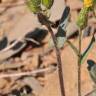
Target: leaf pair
[(61, 33)]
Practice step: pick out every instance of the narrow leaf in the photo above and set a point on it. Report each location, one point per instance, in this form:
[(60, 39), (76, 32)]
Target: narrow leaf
[(87, 51)]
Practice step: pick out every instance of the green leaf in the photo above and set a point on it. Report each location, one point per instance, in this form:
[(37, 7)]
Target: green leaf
[(87, 51)]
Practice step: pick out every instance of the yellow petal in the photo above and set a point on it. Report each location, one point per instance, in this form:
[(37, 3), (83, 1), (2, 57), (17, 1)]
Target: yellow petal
[(88, 3)]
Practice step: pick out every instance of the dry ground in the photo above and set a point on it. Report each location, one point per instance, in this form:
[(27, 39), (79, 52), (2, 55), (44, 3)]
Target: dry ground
[(15, 22)]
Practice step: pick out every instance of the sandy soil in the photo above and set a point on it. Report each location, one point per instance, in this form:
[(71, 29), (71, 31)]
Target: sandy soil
[(18, 21)]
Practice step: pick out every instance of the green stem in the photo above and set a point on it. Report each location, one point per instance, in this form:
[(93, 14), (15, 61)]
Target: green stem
[(79, 64), (73, 47)]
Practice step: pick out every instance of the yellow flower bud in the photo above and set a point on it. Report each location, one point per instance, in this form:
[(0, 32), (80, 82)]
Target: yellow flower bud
[(88, 3)]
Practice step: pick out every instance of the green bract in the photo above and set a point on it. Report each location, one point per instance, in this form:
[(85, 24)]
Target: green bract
[(47, 3), (34, 5), (94, 1), (82, 18)]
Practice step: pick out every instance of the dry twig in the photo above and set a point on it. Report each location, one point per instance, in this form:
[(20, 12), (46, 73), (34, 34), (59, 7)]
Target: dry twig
[(46, 70)]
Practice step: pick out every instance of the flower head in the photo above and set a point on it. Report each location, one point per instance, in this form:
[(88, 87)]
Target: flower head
[(88, 3)]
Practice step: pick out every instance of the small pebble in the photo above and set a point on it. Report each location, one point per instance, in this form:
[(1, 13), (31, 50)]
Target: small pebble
[(24, 56)]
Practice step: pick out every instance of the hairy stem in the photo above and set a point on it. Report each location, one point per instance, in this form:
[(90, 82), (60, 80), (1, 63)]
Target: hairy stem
[(43, 20), (79, 64)]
